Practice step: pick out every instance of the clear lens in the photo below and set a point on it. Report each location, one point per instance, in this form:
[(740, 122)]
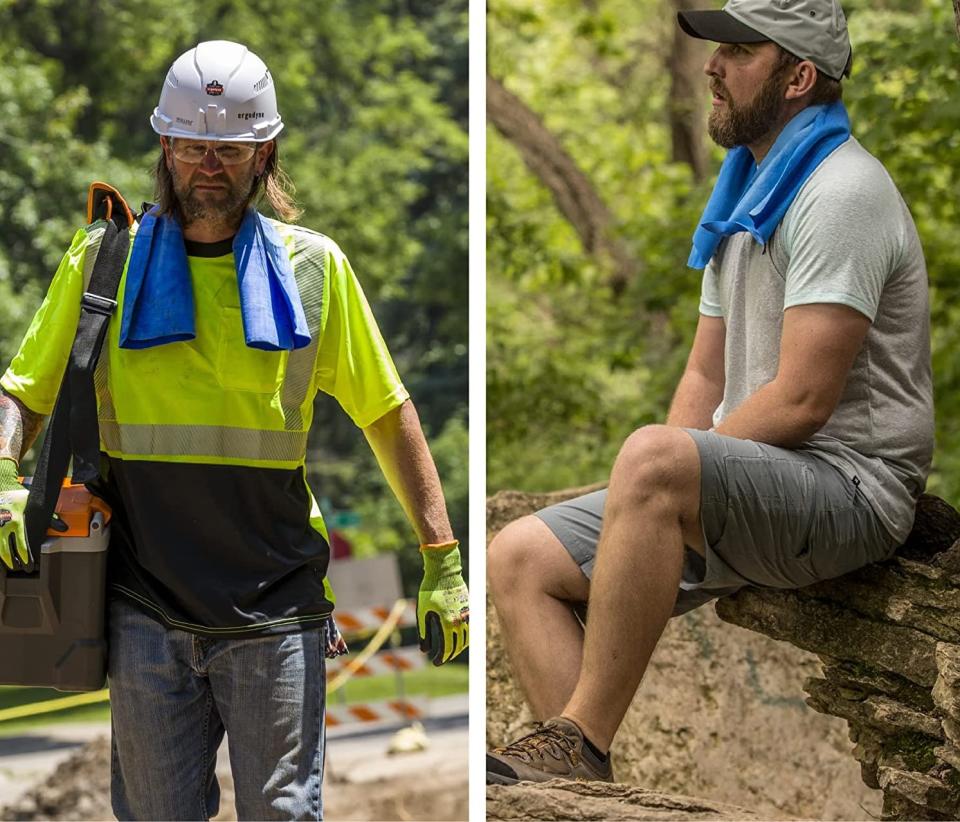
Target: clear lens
[(230, 154)]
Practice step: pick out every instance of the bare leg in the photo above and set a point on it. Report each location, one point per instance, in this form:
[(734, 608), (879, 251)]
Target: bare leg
[(651, 511), (534, 583)]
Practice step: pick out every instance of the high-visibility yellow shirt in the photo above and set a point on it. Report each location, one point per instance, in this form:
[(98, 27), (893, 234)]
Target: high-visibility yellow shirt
[(206, 438)]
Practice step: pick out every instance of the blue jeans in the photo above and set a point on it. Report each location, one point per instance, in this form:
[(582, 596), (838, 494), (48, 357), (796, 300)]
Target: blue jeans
[(172, 696)]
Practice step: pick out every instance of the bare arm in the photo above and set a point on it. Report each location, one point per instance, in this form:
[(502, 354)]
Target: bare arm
[(19, 427), (700, 389), (398, 443), (817, 348)]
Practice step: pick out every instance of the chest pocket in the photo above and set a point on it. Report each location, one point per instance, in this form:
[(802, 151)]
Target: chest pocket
[(241, 368)]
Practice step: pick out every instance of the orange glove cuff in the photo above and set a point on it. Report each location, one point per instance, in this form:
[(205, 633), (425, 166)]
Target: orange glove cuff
[(440, 546)]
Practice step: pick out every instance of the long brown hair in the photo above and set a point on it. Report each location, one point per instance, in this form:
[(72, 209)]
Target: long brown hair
[(273, 186)]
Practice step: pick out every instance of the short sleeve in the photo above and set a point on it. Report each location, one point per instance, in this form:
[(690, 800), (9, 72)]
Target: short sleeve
[(710, 292), (36, 371), (353, 363), (843, 238)]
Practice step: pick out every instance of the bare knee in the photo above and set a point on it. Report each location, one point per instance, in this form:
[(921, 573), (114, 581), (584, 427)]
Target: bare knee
[(526, 558), (658, 466), (510, 556)]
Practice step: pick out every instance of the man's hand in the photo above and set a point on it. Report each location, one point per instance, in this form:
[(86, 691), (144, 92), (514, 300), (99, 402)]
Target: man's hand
[(443, 606), (14, 548)]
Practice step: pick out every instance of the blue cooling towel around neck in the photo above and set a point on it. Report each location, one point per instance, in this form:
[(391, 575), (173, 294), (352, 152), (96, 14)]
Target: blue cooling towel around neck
[(158, 303), (754, 198)]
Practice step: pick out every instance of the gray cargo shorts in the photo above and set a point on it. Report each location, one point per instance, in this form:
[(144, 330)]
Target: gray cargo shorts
[(771, 517)]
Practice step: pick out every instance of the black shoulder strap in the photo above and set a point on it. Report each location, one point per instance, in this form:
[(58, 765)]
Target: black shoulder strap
[(73, 429)]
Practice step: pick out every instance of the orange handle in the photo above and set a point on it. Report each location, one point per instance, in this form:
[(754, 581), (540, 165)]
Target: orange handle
[(76, 507), (103, 191)]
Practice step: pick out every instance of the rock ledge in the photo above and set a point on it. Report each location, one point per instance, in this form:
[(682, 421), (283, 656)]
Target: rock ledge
[(560, 799), (889, 639)]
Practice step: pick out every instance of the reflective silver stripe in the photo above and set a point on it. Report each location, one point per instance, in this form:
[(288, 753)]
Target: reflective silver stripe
[(203, 441), (101, 381), (309, 269)]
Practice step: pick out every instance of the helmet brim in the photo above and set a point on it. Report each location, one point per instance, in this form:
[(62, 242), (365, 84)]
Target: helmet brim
[(162, 126)]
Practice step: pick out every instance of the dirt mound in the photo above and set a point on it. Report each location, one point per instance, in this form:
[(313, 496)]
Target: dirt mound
[(80, 789)]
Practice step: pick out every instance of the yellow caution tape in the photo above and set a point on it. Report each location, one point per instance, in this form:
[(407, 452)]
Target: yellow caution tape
[(51, 705), (372, 647)]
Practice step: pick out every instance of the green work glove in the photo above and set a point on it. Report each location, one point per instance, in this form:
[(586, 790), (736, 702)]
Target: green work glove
[(14, 549), (443, 606)]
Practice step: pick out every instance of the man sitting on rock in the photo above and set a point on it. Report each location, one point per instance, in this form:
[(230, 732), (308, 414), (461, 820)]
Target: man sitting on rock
[(801, 432)]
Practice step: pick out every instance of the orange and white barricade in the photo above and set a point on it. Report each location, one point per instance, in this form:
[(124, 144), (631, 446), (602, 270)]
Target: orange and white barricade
[(408, 658), (364, 620), (389, 710)]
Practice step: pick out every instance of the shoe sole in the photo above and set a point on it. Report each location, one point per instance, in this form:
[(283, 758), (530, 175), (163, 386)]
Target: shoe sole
[(500, 779)]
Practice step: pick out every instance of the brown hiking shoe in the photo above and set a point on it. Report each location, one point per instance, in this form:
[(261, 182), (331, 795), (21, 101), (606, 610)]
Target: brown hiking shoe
[(555, 750)]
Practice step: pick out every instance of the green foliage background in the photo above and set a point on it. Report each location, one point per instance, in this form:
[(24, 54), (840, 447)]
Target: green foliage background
[(570, 369), (374, 97)]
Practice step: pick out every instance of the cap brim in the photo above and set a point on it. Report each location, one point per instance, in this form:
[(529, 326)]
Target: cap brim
[(718, 27)]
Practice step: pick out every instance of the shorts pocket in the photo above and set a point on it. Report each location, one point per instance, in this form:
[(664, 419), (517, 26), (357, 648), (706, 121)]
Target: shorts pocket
[(241, 368), (803, 524), (713, 521), (844, 540)]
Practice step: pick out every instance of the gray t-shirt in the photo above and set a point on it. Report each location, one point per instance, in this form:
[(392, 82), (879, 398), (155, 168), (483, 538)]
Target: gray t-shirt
[(847, 238)]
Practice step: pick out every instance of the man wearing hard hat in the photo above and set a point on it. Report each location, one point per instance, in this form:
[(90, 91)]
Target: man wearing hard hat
[(227, 325)]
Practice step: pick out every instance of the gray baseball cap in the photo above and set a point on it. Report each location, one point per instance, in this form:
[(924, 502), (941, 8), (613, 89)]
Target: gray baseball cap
[(814, 30)]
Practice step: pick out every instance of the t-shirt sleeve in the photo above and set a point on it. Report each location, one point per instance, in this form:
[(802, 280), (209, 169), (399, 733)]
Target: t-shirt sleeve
[(36, 371), (353, 363), (843, 239), (710, 292)]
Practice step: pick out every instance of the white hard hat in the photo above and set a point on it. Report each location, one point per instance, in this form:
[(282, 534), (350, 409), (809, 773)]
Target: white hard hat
[(218, 91)]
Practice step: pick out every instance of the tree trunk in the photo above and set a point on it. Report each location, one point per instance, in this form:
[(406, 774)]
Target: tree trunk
[(572, 190), (688, 87)]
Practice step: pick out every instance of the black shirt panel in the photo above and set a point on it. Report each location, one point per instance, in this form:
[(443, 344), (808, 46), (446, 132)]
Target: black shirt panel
[(218, 249), (218, 550)]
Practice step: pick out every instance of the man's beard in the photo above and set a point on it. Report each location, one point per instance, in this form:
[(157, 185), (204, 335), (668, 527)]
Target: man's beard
[(735, 125), (224, 207)]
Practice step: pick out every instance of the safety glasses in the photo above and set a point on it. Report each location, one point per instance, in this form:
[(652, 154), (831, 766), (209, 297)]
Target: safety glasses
[(229, 154)]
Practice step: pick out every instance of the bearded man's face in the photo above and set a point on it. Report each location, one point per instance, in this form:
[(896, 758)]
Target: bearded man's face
[(220, 197), (744, 113)]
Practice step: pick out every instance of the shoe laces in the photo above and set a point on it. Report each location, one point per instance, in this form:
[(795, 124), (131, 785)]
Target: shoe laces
[(543, 738)]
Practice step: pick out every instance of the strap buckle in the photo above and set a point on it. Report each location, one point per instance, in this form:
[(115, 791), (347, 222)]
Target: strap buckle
[(98, 304)]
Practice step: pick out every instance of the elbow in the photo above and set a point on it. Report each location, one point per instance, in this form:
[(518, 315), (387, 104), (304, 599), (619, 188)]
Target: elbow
[(815, 422), (807, 409), (812, 413)]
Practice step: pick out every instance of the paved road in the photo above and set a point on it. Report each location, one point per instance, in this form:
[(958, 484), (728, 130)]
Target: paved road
[(355, 753)]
